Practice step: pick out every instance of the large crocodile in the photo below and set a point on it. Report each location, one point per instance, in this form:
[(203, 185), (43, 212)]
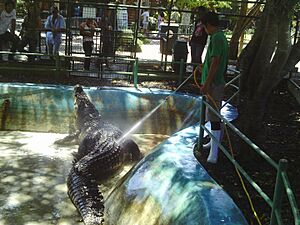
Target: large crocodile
[(102, 151)]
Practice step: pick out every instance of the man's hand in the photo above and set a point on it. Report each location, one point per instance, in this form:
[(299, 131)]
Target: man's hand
[(200, 67)]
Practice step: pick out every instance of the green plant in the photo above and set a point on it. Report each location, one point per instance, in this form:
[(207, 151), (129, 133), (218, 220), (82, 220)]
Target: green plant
[(21, 8), (152, 23), (125, 41)]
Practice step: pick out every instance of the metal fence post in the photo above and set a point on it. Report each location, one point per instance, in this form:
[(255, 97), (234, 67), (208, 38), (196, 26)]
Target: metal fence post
[(181, 71), (202, 122), (279, 187), (57, 63), (239, 88), (135, 72)]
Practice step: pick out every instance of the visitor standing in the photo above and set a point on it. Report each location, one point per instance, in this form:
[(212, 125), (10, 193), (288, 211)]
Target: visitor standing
[(55, 25), (160, 20), (199, 37), (30, 30), (8, 27), (107, 38), (145, 16), (212, 79), (87, 30)]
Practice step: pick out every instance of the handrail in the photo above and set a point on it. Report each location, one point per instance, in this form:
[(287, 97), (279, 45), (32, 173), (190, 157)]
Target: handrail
[(282, 182), (233, 79), (251, 181), (235, 94), (295, 84), (244, 137), (291, 197)]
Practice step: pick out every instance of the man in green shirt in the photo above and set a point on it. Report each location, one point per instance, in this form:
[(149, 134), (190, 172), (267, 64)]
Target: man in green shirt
[(212, 79)]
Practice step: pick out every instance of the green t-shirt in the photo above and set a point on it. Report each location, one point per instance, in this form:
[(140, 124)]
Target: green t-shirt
[(218, 46)]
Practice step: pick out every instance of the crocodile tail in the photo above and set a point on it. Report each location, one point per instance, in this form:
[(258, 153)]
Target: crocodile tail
[(85, 195)]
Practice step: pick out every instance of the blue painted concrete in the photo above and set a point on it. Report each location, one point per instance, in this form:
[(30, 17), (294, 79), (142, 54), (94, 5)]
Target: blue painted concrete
[(169, 186), (50, 108)]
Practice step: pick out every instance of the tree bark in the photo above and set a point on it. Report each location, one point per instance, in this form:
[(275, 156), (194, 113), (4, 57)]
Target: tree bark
[(263, 61), (240, 27), (245, 61), (293, 59)]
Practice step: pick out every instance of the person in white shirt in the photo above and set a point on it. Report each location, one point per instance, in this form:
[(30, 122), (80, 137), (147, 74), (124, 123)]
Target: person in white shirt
[(55, 25), (145, 15), (7, 28)]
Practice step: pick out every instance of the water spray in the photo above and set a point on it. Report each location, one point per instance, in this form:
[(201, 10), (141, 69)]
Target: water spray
[(136, 125)]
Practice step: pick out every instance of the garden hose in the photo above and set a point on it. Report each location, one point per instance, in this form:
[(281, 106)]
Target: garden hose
[(231, 150)]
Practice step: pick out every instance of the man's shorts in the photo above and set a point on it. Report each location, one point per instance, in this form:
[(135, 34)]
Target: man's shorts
[(217, 93), (145, 25)]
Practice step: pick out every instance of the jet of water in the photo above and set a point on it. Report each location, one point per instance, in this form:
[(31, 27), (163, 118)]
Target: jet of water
[(136, 125)]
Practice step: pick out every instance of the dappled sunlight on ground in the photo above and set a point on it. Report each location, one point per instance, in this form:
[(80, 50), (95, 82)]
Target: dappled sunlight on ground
[(34, 143)]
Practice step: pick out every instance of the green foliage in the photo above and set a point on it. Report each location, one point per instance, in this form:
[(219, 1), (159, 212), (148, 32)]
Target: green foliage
[(125, 41), (297, 8), (211, 4), (21, 8), (152, 23)]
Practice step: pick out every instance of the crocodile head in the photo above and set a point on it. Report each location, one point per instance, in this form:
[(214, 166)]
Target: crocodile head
[(84, 110)]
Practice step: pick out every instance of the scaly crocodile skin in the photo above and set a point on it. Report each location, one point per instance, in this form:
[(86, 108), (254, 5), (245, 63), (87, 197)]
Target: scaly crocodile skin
[(97, 158)]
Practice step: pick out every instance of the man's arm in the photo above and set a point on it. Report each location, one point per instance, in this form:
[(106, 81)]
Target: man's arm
[(81, 29), (211, 74), (61, 27), (13, 26), (48, 23)]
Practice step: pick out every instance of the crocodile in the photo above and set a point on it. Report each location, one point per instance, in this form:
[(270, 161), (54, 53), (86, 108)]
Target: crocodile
[(102, 152)]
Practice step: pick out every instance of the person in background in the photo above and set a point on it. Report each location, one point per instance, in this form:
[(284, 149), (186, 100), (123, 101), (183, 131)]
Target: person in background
[(7, 28), (30, 30), (55, 25), (87, 30), (212, 79), (199, 37), (106, 38), (145, 16), (160, 20)]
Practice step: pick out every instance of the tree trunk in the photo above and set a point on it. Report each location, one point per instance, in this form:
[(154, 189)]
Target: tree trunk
[(240, 27), (293, 59), (237, 31), (245, 61), (263, 61)]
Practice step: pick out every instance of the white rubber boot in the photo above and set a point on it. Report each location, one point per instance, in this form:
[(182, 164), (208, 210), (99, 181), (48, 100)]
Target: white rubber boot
[(214, 149), (207, 146)]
